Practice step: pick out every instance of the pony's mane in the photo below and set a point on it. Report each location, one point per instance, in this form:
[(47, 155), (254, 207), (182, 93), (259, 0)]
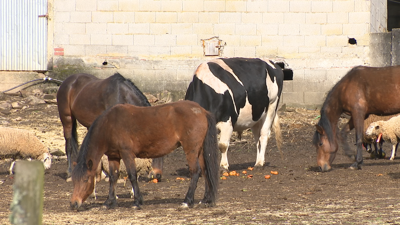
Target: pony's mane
[(81, 166), (118, 77)]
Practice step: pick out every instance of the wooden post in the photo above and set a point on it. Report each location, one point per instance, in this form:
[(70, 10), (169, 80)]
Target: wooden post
[(27, 203)]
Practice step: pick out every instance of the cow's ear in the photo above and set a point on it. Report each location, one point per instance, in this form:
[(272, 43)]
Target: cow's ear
[(90, 164), (320, 130)]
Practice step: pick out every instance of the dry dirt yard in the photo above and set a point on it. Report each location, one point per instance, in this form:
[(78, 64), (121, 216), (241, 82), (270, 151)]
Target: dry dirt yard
[(297, 195)]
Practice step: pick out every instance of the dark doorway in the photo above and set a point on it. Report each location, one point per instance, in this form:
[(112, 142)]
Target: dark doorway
[(393, 8)]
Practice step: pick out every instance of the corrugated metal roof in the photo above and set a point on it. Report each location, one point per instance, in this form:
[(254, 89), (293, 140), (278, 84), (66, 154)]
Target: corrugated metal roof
[(23, 35)]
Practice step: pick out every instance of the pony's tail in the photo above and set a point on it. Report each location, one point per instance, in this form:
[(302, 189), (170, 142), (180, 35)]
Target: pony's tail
[(278, 134), (74, 142), (210, 155)]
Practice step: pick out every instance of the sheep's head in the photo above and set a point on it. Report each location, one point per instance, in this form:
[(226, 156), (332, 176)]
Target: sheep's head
[(46, 159), (374, 128)]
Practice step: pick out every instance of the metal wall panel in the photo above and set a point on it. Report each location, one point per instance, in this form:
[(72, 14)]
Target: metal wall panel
[(23, 35)]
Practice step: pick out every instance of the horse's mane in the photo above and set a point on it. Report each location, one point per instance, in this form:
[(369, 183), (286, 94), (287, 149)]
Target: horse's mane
[(81, 166), (329, 102), (119, 78)]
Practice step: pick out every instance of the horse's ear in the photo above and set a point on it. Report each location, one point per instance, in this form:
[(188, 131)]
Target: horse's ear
[(90, 164), (320, 130)]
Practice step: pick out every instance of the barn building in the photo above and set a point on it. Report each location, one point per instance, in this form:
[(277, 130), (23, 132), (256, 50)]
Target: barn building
[(159, 43)]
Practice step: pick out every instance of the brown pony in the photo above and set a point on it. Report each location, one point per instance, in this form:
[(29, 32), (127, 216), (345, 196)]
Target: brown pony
[(362, 91), (126, 132), (84, 97)]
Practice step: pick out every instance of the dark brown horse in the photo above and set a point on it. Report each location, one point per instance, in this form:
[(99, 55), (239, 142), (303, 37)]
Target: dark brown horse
[(83, 97), (126, 132), (362, 91)]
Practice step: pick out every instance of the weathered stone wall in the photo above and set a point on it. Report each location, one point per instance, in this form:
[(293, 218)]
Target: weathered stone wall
[(158, 43)]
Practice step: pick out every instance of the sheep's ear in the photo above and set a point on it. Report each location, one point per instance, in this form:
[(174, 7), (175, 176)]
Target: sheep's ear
[(90, 164)]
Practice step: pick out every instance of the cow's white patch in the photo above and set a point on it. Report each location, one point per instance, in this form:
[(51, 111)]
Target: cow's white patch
[(272, 89), (245, 118), (204, 74)]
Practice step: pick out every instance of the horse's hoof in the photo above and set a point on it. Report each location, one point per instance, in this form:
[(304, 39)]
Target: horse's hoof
[(205, 204), (109, 204), (183, 206), (223, 170), (136, 207), (355, 166)]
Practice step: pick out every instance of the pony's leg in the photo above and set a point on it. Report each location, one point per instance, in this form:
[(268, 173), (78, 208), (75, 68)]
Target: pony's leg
[(223, 144), (192, 157), (111, 201), (262, 131), (157, 165), (130, 165)]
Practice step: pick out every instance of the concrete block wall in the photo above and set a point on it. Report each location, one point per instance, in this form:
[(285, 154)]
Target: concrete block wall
[(157, 43)]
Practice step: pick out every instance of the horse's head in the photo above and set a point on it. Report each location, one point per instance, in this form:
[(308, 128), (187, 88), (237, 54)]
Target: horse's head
[(83, 181), (326, 151)]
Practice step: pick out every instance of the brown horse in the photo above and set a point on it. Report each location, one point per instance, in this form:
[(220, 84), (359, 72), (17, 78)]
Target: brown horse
[(126, 132), (84, 97), (362, 91)]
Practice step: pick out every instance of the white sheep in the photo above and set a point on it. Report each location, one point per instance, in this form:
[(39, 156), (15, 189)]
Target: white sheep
[(369, 140), (143, 167), (390, 131), (22, 144)]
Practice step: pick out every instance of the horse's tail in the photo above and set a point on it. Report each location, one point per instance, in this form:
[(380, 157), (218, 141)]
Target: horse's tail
[(210, 154), (74, 142), (278, 134)]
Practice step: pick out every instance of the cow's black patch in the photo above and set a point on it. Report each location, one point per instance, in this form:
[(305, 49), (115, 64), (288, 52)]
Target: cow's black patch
[(252, 73), (221, 105)]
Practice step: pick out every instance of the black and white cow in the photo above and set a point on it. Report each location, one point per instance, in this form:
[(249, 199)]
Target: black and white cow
[(242, 93)]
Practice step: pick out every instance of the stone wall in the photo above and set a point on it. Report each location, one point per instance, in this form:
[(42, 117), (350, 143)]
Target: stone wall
[(158, 43)]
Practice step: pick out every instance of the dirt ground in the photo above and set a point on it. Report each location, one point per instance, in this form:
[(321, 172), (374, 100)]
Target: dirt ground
[(297, 195)]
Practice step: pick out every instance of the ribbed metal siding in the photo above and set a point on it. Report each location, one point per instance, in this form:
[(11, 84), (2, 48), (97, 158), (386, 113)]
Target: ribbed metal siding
[(23, 35)]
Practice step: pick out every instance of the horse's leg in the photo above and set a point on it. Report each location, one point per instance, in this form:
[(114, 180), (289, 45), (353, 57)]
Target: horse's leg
[(157, 165), (130, 164), (223, 144), (358, 121), (111, 201), (343, 133), (71, 141), (192, 157)]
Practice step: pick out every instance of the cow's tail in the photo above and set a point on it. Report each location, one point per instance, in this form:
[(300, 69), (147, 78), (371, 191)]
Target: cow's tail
[(210, 155), (278, 134)]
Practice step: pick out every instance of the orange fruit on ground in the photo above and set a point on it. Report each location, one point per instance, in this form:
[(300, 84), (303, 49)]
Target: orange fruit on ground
[(274, 172), (244, 171), (155, 181), (223, 178), (249, 176), (250, 168), (232, 173), (267, 176), (226, 174)]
